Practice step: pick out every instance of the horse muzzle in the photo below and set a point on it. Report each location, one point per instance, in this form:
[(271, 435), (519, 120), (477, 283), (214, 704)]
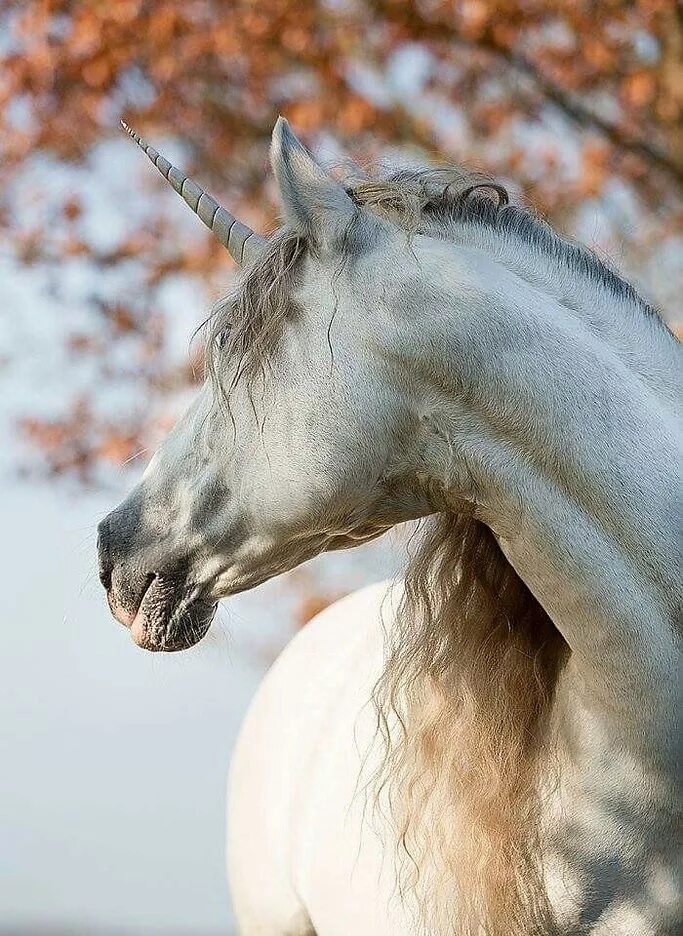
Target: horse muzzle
[(163, 609)]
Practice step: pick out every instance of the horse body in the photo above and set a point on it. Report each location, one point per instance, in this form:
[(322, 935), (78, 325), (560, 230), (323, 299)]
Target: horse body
[(300, 857), (307, 848), (404, 349)]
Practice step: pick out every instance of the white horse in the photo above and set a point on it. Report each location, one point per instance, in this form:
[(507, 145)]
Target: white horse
[(489, 747)]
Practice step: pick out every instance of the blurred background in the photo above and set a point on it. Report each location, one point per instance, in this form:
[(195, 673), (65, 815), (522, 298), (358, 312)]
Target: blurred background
[(113, 761)]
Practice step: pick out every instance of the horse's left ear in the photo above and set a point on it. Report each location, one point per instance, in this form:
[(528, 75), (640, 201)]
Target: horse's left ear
[(312, 200)]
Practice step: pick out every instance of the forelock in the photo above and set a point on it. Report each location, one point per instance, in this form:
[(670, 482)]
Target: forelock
[(246, 325)]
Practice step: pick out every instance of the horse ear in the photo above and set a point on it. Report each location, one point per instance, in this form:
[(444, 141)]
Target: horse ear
[(312, 200)]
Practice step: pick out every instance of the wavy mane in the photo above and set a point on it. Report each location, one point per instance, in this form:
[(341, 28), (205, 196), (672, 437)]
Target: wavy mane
[(465, 708)]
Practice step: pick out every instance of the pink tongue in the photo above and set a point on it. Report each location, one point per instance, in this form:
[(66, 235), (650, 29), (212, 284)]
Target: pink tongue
[(137, 629)]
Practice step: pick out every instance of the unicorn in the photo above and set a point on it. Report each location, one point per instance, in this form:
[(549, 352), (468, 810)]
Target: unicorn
[(489, 746)]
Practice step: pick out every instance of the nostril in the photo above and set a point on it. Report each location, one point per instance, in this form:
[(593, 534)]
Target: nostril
[(104, 563), (105, 577), (121, 550)]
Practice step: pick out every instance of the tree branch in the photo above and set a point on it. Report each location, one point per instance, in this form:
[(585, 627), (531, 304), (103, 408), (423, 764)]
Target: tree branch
[(583, 115), (440, 31)]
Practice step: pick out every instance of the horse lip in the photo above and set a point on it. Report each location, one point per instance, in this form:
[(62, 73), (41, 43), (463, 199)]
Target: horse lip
[(127, 618), (171, 634)]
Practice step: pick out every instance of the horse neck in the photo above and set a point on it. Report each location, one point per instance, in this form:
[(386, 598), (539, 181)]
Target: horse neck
[(585, 288), (555, 425)]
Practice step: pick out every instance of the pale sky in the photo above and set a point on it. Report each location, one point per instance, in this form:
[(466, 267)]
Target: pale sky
[(113, 761)]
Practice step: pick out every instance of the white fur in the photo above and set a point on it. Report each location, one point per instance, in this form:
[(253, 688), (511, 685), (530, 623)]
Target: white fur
[(468, 371)]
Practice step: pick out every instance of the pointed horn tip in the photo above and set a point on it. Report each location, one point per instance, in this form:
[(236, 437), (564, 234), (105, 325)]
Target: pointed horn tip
[(129, 130)]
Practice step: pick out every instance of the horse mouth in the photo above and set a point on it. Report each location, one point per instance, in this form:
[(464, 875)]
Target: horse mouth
[(169, 618)]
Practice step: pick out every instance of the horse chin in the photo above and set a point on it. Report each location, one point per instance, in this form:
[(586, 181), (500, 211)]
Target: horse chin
[(173, 631)]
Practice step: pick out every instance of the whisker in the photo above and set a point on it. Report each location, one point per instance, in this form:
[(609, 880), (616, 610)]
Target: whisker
[(131, 458)]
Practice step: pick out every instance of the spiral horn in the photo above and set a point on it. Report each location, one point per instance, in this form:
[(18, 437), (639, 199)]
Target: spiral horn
[(241, 242)]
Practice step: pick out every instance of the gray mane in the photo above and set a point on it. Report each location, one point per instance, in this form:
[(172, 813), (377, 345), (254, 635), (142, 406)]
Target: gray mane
[(247, 323), (445, 197)]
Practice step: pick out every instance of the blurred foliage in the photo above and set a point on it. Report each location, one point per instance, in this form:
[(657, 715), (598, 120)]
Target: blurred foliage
[(568, 99)]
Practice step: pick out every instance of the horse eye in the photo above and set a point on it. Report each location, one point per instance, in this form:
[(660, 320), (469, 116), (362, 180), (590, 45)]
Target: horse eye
[(220, 340)]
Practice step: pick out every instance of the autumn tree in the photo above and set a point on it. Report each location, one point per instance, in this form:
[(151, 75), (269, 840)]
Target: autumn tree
[(575, 105)]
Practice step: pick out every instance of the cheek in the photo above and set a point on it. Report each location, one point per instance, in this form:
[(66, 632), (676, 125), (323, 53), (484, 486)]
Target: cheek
[(292, 499), (319, 450)]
